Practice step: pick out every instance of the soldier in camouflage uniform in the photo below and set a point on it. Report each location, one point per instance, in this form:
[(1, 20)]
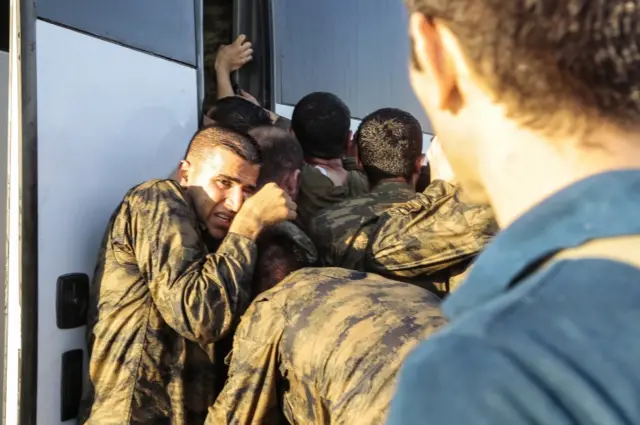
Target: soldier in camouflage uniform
[(432, 239), (389, 148), (321, 123), (323, 346), (172, 278), (282, 161)]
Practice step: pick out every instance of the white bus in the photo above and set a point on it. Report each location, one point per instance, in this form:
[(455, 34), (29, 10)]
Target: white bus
[(103, 95)]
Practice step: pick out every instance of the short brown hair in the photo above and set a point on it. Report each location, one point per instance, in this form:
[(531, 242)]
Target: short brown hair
[(541, 57), (240, 144), (281, 154)]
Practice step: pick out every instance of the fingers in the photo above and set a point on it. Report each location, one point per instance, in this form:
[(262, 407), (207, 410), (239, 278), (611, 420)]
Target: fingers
[(290, 204), (240, 39)]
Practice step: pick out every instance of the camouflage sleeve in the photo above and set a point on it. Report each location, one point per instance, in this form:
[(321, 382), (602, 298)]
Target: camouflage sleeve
[(250, 394), (430, 233), (198, 294)]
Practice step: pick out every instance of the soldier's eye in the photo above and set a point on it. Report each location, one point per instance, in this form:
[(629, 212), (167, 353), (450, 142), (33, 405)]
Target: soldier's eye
[(225, 184)]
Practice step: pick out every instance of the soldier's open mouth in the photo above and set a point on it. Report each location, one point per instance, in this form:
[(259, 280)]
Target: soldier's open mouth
[(224, 217)]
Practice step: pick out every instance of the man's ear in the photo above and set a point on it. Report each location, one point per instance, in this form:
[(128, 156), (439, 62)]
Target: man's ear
[(292, 184), (351, 150), (184, 170), (433, 60), (420, 161)]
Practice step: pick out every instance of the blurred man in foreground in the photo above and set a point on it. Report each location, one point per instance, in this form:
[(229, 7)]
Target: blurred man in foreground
[(537, 106), (173, 276), (322, 346)]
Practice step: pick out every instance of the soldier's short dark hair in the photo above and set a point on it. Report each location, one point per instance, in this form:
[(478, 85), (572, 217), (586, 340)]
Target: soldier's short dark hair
[(208, 138), (555, 65), (278, 256), (281, 154), (321, 123), (389, 142), (238, 114)]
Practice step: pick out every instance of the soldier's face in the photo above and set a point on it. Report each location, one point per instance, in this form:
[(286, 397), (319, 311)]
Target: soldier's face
[(218, 185), (442, 83)]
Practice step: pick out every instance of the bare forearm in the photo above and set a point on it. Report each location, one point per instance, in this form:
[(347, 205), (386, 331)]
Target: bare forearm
[(225, 88)]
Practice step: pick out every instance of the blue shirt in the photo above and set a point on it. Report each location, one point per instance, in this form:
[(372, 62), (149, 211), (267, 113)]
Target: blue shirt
[(552, 345)]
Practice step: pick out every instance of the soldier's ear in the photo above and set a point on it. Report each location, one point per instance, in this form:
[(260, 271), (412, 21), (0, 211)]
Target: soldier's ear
[(184, 172), (420, 161), (350, 146), (292, 184)]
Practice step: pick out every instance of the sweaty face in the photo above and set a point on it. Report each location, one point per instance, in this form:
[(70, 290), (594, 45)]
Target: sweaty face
[(218, 185), (436, 81)]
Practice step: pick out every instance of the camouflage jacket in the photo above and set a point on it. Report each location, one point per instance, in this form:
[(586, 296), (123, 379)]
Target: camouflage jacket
[(323, 347), (318, 192), (341, 233), (431, 239), (159, 300)]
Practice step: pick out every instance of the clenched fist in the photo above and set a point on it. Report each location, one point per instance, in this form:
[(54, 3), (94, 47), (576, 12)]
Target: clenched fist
[(271, 205)]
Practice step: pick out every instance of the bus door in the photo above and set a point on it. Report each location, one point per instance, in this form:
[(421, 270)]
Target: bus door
[(103, 95)]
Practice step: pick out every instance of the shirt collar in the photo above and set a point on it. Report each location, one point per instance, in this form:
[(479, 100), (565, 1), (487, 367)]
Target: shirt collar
[(601, 206), (388, 186)]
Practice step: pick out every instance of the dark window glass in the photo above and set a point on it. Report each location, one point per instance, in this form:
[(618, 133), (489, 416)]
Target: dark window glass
[(357, 49), (162, 27)]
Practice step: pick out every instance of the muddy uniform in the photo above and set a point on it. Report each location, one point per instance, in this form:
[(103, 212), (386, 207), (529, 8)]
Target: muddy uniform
[(318, 192), (301, 239), (323, 347), (341, 233), (160, 299), (432, 238)]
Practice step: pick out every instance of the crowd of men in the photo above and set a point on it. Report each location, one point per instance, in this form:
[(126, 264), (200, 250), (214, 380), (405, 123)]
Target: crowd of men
[(293, 272)]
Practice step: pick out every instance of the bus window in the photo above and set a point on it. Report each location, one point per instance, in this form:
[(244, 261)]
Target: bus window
[(216, 30), (358, 50)]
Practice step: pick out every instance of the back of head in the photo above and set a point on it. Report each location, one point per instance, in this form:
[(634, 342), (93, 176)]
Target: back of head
[(556, 66), (237, 113), (216, 136), (278, 256), (281, 154), (389, 143), (321, 123)]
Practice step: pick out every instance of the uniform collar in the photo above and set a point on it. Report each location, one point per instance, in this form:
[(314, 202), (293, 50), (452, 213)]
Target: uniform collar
[(389, 186), (601, 206)]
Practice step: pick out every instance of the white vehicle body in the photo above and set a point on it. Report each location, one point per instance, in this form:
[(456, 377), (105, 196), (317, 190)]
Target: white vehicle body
[(103, 95)]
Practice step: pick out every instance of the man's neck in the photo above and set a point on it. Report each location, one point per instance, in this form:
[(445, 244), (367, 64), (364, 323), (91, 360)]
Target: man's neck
[(333, 164), (333, 167), (534, 169), (390, 180)]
